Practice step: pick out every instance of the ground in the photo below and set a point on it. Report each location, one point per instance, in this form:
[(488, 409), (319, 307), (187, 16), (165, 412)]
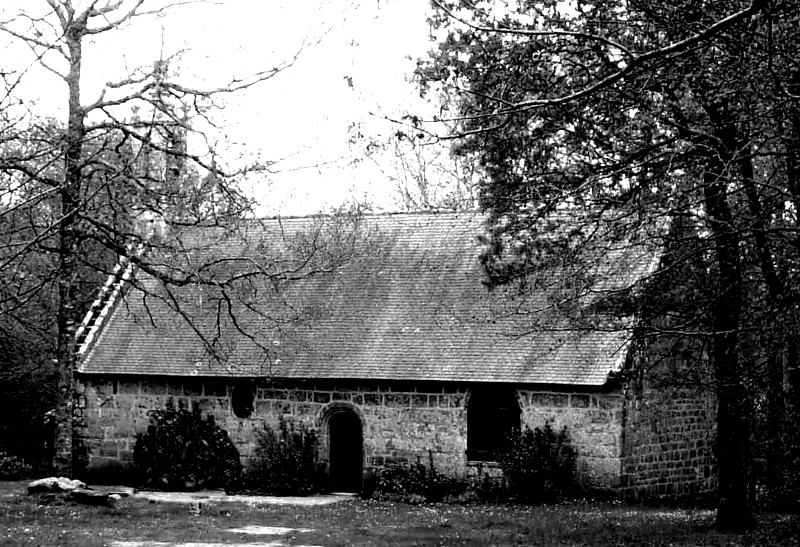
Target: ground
[(139, 522)]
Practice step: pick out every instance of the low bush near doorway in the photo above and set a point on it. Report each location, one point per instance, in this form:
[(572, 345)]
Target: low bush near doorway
[(285, 462)]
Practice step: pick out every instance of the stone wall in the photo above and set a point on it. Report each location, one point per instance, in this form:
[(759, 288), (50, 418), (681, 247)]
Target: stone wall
[(594, 423), (669, 447), (401, 422), (109, 412), (671, 417)]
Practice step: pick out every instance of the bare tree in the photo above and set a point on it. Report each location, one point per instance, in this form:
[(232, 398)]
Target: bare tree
[(423, 173), (116, 177)]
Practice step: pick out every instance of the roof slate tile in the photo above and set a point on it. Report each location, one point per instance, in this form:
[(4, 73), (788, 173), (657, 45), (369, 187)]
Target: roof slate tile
[(408, 304)]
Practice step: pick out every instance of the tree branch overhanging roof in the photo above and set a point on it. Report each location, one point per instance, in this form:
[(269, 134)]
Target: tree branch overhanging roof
[(400, 297)]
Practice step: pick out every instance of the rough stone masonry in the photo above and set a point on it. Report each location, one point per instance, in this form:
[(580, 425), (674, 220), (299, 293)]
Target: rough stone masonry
[(401, 421)]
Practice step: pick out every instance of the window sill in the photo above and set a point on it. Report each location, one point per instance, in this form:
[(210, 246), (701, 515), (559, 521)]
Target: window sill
[(483, 463), (483, 456)]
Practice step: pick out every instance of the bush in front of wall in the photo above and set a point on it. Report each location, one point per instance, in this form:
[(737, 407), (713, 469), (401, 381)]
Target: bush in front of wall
[(540, 465), (14, 468), (285, 461), (402, 483), (417, 483), (183, 450)]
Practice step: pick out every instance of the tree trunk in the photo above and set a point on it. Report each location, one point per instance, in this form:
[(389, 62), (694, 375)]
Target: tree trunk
[(62, 457), (733, 427), (792, 145), (69, 194), (733, 424), (777, 346)]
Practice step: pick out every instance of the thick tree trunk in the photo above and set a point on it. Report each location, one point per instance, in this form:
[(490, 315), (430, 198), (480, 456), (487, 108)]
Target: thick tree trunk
[(63, 450), (733, 427), (67, 247), (733, 413)]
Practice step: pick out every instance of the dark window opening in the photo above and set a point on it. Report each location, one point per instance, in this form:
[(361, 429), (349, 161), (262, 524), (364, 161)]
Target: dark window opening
[(243, 397), (493, 417)]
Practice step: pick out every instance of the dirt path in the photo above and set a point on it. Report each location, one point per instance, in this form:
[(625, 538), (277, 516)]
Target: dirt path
[(196, 544), (274, 533), (254, 530), (219, 496)]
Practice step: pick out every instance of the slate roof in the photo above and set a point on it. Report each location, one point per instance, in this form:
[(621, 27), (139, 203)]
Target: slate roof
[(395, 297)]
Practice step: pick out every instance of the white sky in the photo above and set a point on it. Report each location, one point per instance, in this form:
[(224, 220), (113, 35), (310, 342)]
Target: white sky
[(303, 114)]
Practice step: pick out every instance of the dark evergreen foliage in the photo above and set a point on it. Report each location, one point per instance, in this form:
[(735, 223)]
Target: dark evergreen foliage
[(183, 450)]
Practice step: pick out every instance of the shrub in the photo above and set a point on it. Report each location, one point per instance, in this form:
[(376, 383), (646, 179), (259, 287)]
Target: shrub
[(286, 461), (402, 483), (184, 451), (778, 488), (417, 483), (14, 468), (488, 486), (540, 465)]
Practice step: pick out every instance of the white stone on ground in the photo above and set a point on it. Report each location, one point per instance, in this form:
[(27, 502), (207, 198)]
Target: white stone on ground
[(54, 484)]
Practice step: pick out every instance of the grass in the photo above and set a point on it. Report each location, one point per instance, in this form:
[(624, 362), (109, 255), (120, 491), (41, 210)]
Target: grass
[(34, 520)]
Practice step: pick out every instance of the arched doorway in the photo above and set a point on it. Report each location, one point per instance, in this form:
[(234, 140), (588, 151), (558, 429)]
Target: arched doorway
[(345, 444)]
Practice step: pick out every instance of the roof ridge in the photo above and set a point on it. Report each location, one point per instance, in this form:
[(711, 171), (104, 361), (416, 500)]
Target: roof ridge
[(429, 213), (100, 309)]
